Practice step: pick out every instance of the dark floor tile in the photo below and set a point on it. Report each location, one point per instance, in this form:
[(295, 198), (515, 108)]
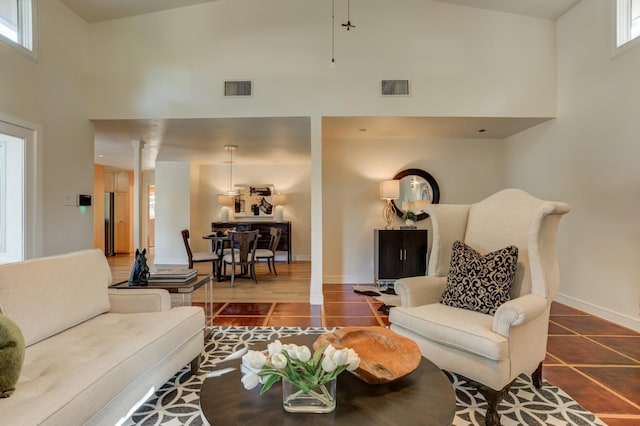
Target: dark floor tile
[(235, 308), (337, 287), (295, 322), (580, 350), (560, 309), (621, 422), (550, 360), (558, 329), (625, 380), (347, 309), (240, 321), (297, 309), (347, 321), (592, 325), (628, 345), (587, 393), (385, 320), (343, 296)]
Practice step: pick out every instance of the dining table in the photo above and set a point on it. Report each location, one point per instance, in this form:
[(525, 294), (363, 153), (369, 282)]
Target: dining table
[(219, 242)]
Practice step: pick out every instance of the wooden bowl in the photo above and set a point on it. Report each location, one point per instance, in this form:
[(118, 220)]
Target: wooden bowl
[(385, 356)]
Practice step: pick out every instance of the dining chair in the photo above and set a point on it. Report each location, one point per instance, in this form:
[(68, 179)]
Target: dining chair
[(199, 256), (243, 256), (270, 252)]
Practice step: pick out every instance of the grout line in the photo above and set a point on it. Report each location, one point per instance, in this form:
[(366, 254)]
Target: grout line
[(602, 385), (268, 317)]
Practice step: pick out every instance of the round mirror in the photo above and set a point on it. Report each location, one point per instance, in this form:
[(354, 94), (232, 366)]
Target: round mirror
[(417, 189)]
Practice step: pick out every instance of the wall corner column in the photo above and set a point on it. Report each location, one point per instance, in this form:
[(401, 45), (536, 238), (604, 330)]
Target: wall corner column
[(315, 295), (137, 191)]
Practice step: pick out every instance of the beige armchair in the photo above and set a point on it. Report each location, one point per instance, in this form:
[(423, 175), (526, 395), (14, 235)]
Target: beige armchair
[(490, 350)]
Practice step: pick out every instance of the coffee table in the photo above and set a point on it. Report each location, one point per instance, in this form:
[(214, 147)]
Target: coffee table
[(182, 288), (424, 397)]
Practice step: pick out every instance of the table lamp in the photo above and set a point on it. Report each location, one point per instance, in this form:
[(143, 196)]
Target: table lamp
[(389, 190), (226, 201), (279, 200)]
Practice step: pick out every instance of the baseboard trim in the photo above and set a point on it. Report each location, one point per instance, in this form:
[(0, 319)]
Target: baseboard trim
[(615, 317)]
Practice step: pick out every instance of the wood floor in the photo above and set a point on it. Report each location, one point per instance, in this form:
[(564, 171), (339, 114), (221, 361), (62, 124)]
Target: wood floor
[(593, 360)]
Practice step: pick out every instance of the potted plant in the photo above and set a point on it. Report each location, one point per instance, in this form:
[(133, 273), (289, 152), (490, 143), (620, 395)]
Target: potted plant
[(409, 218)]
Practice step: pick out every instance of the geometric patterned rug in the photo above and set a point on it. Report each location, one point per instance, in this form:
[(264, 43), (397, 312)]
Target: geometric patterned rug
[(177, 402)]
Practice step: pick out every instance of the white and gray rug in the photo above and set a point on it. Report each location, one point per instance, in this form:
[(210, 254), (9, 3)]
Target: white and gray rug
[(176, 403)]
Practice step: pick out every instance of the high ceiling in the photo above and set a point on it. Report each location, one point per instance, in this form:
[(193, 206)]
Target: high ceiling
[(101, 10), (278, 139)]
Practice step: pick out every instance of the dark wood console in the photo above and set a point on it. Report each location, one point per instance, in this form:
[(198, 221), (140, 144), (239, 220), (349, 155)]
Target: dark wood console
[(263, 228), (399, 253)]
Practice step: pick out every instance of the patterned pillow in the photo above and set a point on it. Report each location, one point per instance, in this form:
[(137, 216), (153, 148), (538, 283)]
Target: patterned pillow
[(479, 283)]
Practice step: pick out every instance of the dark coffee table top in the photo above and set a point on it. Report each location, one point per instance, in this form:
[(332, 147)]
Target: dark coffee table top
[(425, 397)]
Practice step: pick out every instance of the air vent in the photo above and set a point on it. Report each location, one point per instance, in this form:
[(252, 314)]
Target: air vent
[(395, 87), (238, 88)]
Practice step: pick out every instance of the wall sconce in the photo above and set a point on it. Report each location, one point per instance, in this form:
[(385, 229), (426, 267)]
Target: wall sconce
[(389, 190), (226, 201), (279, 200)]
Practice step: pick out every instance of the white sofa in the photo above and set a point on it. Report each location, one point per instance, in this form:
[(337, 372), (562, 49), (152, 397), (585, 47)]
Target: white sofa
[(92, 353)]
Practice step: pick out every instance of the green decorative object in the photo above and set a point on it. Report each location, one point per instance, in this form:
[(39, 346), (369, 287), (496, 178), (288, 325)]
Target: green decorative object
[(11, 356)]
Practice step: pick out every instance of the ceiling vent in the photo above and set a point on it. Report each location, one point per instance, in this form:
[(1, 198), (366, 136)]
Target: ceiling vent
[(236, 88), (395, 87)]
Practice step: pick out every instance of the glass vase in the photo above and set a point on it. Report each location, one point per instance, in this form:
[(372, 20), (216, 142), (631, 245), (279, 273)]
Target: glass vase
[(321, 399)]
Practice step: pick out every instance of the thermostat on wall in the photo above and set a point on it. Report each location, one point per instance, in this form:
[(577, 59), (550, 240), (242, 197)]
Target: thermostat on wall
[(84, 200)]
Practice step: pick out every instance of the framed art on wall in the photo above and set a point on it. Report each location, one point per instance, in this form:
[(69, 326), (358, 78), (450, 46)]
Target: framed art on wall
[(254, 201)]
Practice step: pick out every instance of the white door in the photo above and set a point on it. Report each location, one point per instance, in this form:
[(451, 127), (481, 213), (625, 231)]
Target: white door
[(12, 194)]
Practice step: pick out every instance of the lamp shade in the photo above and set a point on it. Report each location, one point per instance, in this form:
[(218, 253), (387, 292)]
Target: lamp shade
[(420, 205), (279, 199), (390, 189), (226, 200)]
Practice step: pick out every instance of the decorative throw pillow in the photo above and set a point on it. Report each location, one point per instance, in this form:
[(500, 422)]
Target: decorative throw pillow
[(11, 355), (479, 283)]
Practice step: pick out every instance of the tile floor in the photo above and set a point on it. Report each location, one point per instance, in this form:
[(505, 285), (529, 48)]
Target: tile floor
[(593, 360)]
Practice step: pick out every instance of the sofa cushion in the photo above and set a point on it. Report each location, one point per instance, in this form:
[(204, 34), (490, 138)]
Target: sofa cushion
[(479, 283), (11, 356), (44, 297), (69, 377), (468, 331)]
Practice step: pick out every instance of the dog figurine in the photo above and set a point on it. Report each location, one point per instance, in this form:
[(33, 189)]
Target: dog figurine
[(140, 272)]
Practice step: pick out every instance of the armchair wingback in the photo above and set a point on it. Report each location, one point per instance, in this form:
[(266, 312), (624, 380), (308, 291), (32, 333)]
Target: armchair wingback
[(489, 350)]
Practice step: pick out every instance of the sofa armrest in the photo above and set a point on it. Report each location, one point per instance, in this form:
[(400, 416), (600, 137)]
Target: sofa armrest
[(518, 312), (417, 291), (134, 300)]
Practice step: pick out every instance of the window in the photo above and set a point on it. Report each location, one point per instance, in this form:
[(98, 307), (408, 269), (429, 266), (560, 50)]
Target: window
[(17, 23), (627, 21)]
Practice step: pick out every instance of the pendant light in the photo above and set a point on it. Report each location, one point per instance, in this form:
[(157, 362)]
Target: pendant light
[(230, 190)]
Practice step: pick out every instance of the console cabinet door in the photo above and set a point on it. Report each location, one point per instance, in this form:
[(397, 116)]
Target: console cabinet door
[(390, 247), (415, 246), (400, 253)]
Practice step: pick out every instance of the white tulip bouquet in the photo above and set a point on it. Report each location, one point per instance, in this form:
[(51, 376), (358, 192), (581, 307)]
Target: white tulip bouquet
[(297, 365)]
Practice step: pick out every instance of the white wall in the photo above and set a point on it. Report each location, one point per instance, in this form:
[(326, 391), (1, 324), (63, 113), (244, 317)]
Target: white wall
[(467, 170), (293, 180), (52, 93), (173, 211), (461, 61), (588, 157)]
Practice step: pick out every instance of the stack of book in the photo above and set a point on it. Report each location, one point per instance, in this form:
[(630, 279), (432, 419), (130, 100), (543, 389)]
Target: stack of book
[(172, 274)]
